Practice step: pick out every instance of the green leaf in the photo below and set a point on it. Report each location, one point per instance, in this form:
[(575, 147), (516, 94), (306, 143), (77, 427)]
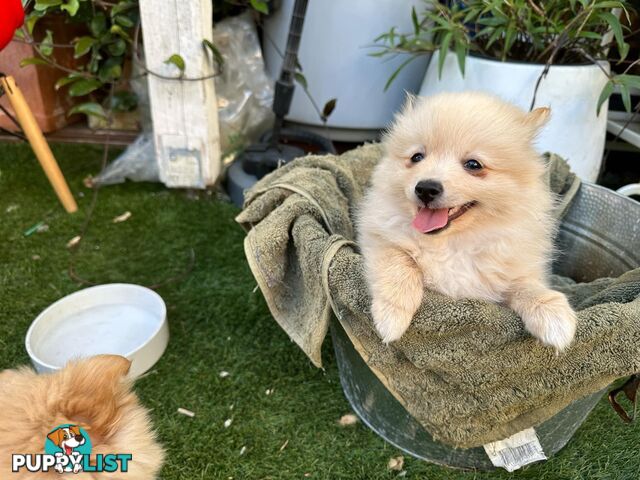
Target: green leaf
[(509, 38), (328, 109), (110, 70), (616, 28), (497, 33), (608, 5), (66, 81), (124, 21), (82, 46), (623, 50), (626, 97), (217, 56), (176, 60), (470, 16), (88, 108), (84, 87), (604, 95), (122, 7), (398, 70), (461, 53), (33, 61), (117, 48), (42, 5), (490, 21), (46, 45), (98, 24), (261, 6), (414, 20), (590, 35), (71, 6), (442, 53), (117, 30), (630, 80), (301, 79)]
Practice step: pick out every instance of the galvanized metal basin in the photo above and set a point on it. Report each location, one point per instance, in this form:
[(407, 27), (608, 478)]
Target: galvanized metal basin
[(599, 237)]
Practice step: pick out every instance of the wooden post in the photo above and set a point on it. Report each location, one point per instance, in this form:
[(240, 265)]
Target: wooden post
[(40, 146), (184, 113)]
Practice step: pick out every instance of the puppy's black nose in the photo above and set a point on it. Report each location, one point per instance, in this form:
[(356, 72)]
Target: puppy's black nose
[(428, 190), (79, 437)]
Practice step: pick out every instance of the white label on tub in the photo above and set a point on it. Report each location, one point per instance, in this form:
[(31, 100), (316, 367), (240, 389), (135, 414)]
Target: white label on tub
[(516, 451)]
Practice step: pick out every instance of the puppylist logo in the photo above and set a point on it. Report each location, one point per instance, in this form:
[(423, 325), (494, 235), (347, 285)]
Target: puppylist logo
[(67, 449)]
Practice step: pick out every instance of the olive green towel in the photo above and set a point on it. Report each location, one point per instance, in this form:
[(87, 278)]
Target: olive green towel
[(466, 370)]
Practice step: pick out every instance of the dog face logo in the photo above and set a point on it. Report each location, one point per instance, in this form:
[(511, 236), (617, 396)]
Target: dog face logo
[(69, 444), (67, 438)]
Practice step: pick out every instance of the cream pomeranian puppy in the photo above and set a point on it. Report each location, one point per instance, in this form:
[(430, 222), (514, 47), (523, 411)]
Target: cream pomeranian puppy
[(459, 205), (93, 394)]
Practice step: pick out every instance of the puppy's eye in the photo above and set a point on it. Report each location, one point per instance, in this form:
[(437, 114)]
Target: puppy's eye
[(416, 157), (472, 164)]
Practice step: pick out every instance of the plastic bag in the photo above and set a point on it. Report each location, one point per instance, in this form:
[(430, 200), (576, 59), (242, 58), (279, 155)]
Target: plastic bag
[(244, 95), (138, 161), (244, 91)]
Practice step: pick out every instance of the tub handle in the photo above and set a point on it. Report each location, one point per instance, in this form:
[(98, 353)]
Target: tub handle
[(630, 390)]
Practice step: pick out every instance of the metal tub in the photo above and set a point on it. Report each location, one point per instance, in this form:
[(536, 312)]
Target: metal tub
[(599, 237)]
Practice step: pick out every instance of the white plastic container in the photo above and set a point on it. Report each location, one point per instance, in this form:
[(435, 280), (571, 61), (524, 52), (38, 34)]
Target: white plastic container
[(337, 40), (574, 131), (122, 319)]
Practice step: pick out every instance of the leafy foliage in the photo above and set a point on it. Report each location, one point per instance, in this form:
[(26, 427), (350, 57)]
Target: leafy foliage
[(565, 32), (101, 52), (105, 47)]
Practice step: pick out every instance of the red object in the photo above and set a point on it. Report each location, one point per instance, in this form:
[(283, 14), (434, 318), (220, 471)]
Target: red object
[(11, 18)]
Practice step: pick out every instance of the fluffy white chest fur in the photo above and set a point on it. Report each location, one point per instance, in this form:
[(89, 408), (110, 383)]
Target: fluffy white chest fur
[(474, 264)]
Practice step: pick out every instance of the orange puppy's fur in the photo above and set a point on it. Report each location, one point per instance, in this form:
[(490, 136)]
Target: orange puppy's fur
[(93, 394), (496, 242)]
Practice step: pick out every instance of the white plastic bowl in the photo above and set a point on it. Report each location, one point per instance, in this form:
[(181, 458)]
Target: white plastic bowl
[(118, 318)]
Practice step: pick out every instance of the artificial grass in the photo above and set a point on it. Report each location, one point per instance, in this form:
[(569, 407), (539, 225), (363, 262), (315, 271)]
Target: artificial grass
[(219, 322)]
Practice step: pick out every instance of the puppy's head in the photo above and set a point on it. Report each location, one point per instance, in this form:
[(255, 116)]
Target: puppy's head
[(455, 160)]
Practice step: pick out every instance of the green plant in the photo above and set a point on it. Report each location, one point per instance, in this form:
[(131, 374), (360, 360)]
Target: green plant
[(109, 40), (551, 32), (101, 52)]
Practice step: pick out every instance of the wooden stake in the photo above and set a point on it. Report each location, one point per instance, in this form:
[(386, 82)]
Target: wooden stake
[(38, 143)]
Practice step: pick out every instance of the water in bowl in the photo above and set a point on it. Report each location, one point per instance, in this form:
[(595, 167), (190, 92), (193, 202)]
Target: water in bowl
[(108, 328)]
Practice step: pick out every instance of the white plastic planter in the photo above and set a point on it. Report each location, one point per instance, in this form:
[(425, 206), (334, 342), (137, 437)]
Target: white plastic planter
[(574, 131), (337, 40)]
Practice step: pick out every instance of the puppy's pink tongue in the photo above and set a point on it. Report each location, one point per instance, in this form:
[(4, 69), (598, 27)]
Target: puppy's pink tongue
[(428, 220)]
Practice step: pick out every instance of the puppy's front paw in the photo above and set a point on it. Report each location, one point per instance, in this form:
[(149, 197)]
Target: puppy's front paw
[(551, 319), (390, 321)]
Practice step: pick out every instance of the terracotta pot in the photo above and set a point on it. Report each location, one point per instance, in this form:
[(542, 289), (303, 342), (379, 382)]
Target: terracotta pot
[(37, 81)]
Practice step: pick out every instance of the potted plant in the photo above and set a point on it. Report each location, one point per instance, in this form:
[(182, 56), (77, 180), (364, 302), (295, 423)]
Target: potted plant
[(82, 48), (36, 79), (334, 59), (553, 53)]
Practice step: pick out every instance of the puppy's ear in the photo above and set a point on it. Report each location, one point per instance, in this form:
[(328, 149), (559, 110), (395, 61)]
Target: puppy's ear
[(537, 118), (93, 390), (56, 436)]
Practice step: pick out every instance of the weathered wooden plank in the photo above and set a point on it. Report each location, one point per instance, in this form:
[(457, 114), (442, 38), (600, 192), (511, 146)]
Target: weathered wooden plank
[(184, 113)]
